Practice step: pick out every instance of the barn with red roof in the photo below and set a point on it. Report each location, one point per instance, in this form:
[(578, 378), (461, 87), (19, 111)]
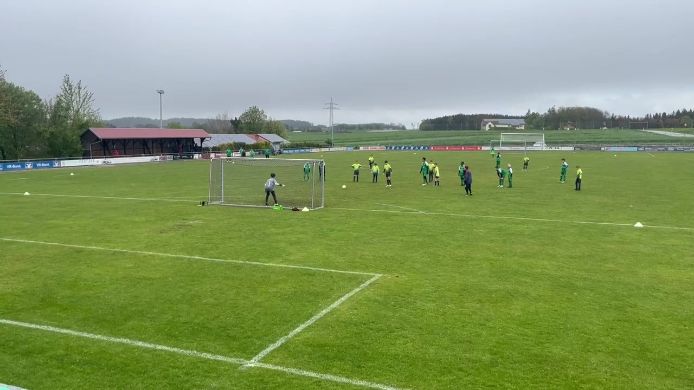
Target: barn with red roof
[(109, 142)]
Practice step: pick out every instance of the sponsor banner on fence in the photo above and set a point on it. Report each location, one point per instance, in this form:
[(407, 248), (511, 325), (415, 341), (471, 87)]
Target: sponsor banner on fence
[(27, 165), (111, 161), (533, 148), (620, 148), (667, 148), (372, 148), (294, 151), (407, 147), (456, 148)]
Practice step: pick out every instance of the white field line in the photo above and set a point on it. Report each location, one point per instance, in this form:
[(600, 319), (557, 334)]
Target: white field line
[(513, 218), (325, 377), (201, 355), (104, 197), (310, 322), (97, 248), (120, 340), (8, 387), (400, 207)]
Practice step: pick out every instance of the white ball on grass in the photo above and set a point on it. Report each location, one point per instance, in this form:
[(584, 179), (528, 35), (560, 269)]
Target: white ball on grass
[(344, 186)]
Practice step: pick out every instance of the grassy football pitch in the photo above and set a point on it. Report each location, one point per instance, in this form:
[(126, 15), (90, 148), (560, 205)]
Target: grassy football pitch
[(114, 278)]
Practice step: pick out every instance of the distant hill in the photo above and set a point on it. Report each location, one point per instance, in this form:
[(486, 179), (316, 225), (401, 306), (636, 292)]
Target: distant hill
[(290, 124), (149, 122)]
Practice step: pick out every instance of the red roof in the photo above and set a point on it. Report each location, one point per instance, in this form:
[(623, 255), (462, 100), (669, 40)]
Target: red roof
[(146, 133)]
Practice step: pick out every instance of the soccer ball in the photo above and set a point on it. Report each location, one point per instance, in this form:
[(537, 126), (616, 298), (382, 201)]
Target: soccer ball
[(344, 186)]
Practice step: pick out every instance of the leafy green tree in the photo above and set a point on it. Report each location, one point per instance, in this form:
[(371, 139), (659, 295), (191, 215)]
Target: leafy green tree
[(275, 127), (69, 114), (174, 125), (253, 120), (22, 116), (686, 121), (534, 121)]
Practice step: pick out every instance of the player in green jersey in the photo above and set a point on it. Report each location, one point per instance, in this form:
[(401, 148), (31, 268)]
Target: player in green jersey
[(355, 168), (424, 170), (579, 177), (461, 173), (500, 173), (564, 169), (307, 171), (371, 161), (388, 171), (510, 176), (374, 172), (498, 160), (526, 161)]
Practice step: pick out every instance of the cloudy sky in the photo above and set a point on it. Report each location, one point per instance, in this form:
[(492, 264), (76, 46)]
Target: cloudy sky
[(381, 60)]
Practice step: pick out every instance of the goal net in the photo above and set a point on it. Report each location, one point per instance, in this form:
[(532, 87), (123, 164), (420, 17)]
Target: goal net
[(522, 141), (240, 181)]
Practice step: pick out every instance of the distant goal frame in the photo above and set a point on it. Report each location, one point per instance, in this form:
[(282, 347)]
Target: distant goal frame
[(525, 139)]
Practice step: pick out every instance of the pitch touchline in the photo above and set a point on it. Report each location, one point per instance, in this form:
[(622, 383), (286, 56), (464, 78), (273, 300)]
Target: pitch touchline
[(308, 323), (510, 217), (197, 354), (97, 248)]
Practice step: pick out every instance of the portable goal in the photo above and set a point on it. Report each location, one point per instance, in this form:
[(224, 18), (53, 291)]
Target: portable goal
[(240, 181)]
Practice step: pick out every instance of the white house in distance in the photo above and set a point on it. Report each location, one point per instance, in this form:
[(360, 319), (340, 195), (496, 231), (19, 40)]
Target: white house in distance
[(516, 124)]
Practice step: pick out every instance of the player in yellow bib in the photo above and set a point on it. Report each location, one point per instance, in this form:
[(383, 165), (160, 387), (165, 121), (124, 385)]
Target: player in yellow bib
[(437, 174), (388, 170), (355, 168)]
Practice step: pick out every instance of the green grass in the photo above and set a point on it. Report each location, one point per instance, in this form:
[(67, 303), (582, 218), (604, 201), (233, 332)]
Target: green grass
[(537, 286), (458, 137)]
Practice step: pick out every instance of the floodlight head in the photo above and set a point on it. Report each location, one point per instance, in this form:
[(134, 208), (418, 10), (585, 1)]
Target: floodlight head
[(160, 91)]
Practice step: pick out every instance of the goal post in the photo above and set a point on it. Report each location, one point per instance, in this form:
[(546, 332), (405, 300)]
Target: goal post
[(522, 141), (240, 181)]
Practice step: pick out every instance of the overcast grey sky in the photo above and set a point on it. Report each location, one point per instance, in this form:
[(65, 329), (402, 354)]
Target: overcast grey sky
[(381, 60)]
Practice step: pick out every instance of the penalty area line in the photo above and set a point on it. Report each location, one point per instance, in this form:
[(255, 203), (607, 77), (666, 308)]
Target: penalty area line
[(187, 257), (256, 359), (513, 218), (400, 207), (197, 354)]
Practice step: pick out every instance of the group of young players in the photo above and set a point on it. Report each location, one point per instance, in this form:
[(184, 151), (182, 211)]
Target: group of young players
[(375, 171), (431, 173)]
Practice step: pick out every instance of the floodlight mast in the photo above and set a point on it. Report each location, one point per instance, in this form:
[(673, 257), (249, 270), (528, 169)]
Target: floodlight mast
[(331, 106), (161, 118)]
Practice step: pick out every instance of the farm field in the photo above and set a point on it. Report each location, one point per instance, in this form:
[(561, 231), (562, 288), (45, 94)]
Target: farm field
[(114, 277), (469, 137)]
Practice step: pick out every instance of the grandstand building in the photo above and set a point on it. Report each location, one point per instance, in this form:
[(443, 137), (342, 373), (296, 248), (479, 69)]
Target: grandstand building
[(110, 142)]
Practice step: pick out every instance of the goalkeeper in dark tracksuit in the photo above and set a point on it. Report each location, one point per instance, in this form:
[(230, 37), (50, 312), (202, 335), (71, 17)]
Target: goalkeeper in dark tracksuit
[(424, 170)]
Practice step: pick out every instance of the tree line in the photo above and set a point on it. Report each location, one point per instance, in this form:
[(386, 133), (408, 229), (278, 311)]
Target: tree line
[(32, 128), (556, 118), (461, 121)]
